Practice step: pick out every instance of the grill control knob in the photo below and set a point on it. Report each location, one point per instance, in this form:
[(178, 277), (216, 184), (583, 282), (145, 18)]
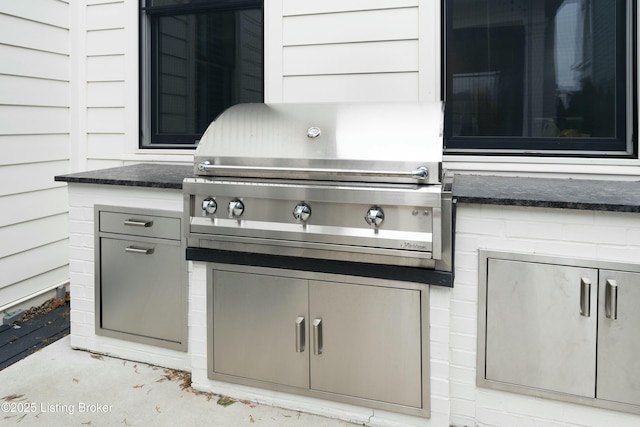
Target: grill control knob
[(235, 208), (374, 216), (301, 212), (209, 206)]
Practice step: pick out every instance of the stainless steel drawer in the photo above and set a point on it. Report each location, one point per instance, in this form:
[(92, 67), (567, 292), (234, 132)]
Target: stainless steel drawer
[(142, 289), (141, 276), (143, 225)]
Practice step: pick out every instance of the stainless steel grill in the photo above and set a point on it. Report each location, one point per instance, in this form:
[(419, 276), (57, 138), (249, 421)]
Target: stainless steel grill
[(358, 185)]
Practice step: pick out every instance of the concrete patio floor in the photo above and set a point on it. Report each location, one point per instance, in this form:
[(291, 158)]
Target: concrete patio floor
[(59, 386)]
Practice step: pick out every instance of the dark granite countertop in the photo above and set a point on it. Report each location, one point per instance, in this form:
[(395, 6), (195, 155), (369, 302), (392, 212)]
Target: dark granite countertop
[(584, 194), (602, 195), (154, 175)]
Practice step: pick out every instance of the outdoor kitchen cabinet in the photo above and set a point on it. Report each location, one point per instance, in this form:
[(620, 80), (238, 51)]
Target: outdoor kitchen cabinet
[(140, 276), (344, 341), (560, 328)]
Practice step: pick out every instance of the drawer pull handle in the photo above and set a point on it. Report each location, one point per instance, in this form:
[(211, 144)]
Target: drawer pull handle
[(611, 299), (138, 250), (317, 336), (585, 297), (138, 223), (300, 334)]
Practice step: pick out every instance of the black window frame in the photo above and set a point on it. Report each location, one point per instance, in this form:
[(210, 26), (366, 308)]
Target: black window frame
[(149, 138), (625, 145)]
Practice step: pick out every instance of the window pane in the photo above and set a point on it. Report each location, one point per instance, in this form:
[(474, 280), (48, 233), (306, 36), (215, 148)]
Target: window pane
[(201, 64), (206, 3), (536, 69)]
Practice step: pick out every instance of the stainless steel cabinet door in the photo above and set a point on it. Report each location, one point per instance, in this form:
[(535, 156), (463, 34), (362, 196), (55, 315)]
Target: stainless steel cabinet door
[(256, 329), (541, 332), (366, 342), (619, 337), (141, 288)]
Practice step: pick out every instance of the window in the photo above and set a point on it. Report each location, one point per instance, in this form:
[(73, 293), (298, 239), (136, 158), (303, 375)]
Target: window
[(543, 77), (199, 57)]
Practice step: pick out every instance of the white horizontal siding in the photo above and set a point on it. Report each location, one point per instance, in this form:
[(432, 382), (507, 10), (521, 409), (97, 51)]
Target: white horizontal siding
[(33, 35), (105, 42), (306, 7), (33, 285), (49, 12), (105, 16), (105, 68), (371, 53), (107, 84), (51, 148), (33, 120), (34, 233), (18, 90), (22, 207), (360, 26), (399, 87), (34, 140), (23, 178), (29, 63), (105, 120), (24, 265), (105, 94), (102, 146), (357, 58)]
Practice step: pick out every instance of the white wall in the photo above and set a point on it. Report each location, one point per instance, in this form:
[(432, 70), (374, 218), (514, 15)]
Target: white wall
[(333, 51), (327, 51), (105, 89), (34, 141)]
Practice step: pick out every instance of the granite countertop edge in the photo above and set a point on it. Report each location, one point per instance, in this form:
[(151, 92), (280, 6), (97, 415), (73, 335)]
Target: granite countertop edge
[(559, 193), (152, 175)]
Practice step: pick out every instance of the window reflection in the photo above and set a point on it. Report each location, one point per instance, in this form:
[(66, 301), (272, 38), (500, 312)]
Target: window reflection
[(535, 68)]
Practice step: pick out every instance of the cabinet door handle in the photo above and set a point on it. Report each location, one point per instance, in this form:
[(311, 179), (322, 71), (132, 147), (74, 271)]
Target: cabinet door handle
[(137, 250), (611, 299), (585, 297), (138, 223), (300, 334), (317, 336)]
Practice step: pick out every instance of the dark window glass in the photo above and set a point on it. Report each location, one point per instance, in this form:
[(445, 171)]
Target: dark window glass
[(200, 63), (537, 75)]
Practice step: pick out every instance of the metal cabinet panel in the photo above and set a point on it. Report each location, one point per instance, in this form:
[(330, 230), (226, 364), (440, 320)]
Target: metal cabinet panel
[(367, 340), (536, 335), (619, 337), (254, 327), (141, 285)]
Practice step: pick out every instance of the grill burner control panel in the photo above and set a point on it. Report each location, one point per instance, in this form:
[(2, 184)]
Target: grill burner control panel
[(343, 221), (374, 216)]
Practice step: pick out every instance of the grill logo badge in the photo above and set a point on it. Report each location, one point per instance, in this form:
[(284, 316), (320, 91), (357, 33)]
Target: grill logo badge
[(414, 246)]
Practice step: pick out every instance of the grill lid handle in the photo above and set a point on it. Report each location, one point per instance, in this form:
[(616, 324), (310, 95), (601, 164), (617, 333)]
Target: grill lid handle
[(421, 173)]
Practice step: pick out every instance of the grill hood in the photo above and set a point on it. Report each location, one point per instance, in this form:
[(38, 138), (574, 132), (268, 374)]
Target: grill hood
[(385, 142)]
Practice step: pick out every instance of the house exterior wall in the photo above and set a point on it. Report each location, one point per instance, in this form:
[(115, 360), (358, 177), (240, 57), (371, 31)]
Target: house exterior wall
[(378, 50), (375, 50), (34, 140)]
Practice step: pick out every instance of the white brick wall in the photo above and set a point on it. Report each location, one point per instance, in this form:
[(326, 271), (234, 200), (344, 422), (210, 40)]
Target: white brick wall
[(82, 198), (455, 399), (607, 236)]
